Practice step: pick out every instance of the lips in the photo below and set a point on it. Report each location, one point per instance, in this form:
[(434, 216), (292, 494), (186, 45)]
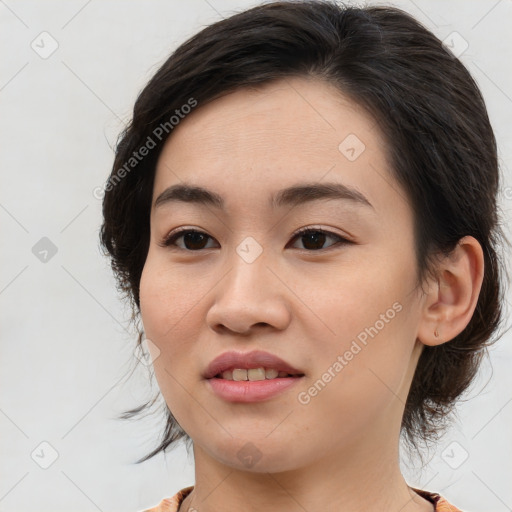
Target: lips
[(254, 359)]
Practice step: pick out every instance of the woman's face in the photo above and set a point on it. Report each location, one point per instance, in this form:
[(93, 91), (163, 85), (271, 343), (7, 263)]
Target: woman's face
[(339, 304)]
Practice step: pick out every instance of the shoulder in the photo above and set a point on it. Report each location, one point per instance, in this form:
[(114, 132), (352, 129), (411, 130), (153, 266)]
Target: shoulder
[(171, 504), (441, 504)]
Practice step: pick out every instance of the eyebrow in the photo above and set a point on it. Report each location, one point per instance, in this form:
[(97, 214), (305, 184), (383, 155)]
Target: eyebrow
[(291, 196)]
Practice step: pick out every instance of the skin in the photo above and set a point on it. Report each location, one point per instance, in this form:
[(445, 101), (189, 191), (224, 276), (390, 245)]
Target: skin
[(340, 450)]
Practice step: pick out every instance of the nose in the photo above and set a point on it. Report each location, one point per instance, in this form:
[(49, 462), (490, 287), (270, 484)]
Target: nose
[(248, 298)]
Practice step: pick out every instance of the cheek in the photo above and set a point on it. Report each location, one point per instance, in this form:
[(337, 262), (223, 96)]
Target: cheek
[(169, 312), (167, 300), (356, 381), (371, 315), (358, 297)]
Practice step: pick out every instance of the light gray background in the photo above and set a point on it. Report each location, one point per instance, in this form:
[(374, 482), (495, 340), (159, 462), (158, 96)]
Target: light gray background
[(66, 342)]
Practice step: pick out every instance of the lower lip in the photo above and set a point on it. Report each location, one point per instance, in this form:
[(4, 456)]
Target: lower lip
[(251, 391)]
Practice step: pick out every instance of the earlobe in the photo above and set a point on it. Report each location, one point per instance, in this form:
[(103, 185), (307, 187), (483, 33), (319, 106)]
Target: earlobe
[(450, 302)]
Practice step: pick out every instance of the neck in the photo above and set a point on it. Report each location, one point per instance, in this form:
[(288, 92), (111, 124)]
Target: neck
[(360, 477)]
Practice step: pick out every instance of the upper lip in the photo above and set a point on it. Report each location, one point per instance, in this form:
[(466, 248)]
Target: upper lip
[(254, 359)]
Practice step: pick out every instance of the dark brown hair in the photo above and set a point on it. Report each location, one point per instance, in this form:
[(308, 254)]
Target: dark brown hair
[(429, 109)]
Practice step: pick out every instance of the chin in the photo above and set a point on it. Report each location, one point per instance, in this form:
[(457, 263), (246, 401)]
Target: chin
[(257, 455)]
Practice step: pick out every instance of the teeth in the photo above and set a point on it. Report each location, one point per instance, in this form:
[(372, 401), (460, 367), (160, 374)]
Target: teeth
[(271, 373), (239, 374), (252, 374), (228, 375), (256, 374)]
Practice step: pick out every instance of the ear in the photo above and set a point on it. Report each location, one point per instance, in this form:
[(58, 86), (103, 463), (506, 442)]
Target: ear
[(450, 301)]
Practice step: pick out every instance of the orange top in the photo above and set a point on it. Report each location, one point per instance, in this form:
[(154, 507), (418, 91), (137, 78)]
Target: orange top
[(173, 504)]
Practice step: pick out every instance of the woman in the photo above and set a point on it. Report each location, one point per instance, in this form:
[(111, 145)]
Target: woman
[(303, 213)]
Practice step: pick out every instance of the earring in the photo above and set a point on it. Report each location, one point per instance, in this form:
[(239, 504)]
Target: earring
[(436, 334)]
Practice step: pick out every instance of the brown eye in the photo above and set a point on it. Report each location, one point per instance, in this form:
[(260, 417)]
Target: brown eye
[(314, 239), (193, 240)]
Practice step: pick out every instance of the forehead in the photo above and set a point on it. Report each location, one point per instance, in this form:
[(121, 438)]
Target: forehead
[(268, 138), (296, 110)]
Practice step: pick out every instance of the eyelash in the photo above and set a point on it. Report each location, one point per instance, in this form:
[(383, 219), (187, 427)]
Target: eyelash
[(169, 240)]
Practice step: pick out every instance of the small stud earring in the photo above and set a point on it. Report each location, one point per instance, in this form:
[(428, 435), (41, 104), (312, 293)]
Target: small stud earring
[(436, 334)]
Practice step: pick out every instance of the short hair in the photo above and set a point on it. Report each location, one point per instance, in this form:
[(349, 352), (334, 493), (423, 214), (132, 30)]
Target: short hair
[(441, 146)]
